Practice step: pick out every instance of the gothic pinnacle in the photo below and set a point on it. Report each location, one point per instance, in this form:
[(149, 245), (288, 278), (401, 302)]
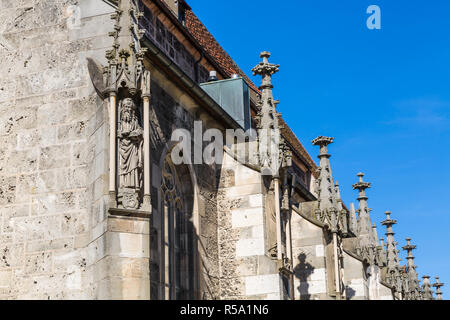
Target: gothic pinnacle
[(391, 249), (389, 223), (327, 190), (413, 281), (266, 70), (375, 235), (268, 121), (361, 186), (364, 223), (382, 244), (353, 219), (438, 286), (323, 142), (409, 249), (426, 287)]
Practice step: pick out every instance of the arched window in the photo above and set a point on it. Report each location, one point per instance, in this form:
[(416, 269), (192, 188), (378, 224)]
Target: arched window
[(177, 258)]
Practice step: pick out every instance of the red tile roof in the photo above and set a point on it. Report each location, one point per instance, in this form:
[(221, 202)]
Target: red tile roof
[(198, 30), (213, 48)]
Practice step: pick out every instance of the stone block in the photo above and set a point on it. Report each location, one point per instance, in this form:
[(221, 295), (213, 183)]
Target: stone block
[(240, 191), (38, 228), (7, 190), (55, 157), (5, 278), (129, 225), (266, 265), (9, 214), (52, 114), (24, 162), (44, 204), (250, 247), (128, 245), (38, 263), (242, 218), (262, 284), (11, 255), (255, 201), (356, 288), (69, 261), (66, 201), (50, 245), (320, 251), (82, 153), (246, 176), (116, 288), (311, 287), (74, 224), (72, 132), (97, 249), (32, 184)]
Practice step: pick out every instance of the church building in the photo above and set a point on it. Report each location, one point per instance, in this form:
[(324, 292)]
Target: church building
[(138, 161)]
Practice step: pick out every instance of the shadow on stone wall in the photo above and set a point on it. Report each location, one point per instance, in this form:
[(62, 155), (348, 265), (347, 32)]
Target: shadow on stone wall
[(349, 293), (302, 271)]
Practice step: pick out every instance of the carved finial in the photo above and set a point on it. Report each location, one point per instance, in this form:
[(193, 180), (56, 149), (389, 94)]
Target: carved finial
[(426, 288), (413, 281), (273, 151), (438, 286), (392, 259), (323, 142), (388, 215)]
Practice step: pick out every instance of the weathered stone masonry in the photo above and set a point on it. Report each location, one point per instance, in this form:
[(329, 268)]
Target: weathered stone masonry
[(92, 206)]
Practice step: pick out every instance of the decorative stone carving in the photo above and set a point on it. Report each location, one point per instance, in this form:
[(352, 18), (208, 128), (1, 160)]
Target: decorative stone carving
[(330, 209), (130, 137), (426, 287), (273, 150), (126, 83), (412, 281), (392, 260), (438, 287)]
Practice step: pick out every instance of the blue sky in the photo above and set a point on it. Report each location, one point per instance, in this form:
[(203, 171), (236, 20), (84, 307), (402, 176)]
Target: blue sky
[(383, 94)]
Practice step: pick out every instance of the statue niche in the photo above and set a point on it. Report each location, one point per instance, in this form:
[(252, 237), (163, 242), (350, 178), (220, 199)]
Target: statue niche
[(130, 149)]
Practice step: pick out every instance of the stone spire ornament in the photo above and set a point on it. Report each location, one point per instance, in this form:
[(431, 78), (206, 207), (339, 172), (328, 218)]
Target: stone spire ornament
[(340, 206), (364, 224), (272, 147), (392, 259), (438, 287), (412, 279), (382, 245), (426, 288), (328, 210), (375, 239), (326, 189), (126, 83), (125, 59), (353, 224), (274, 153)]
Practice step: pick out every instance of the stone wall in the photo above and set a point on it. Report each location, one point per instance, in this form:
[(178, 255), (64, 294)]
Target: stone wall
[(308, 246), (246, 270), (52, 142), (355, 283), (385, 292)]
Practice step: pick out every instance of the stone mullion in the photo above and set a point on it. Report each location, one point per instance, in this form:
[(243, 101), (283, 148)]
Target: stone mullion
[(112, 149)]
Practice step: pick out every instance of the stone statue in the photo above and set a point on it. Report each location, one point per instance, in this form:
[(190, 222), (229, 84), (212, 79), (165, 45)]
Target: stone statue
[(130, 135)]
